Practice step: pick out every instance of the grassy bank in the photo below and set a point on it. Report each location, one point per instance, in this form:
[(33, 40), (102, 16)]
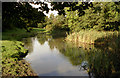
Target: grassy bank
[(12, 62), (13, 51), (91, 37), (18, 34)]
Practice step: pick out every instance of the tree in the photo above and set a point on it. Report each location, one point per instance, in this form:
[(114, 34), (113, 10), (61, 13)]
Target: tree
[(102, 16), (20, 15), (56, 23), (80, 6)]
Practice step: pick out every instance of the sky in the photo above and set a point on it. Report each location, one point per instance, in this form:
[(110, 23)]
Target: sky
[(50, 11)]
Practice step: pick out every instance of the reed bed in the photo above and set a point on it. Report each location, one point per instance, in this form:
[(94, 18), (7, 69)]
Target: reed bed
[(91, 37)]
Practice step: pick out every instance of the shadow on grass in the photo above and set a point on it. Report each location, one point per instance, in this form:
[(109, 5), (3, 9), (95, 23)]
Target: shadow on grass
[(17, 34), (106, 63), (19, 55), (108, 42)]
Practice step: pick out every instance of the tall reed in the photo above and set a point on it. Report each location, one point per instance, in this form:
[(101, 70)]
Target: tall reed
[(90, 36)]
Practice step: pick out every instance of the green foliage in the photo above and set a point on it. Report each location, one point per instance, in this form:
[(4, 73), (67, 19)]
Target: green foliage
[(56, 23), (102, 16), (16, 51), (73, 15), (72, 18), (80, 6), (20, 15)]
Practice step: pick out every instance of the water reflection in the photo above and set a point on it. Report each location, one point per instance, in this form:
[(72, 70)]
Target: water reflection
[(28, 44), (47, 62), (56, 57)]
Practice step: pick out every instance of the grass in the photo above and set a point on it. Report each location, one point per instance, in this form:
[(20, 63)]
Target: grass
[(16, 34), (12, 62), (13, 51), (91, 37), (38, 29)]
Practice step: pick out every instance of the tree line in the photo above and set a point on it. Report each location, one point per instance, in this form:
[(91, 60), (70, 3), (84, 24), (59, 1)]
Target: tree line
[(100, 16), (73, 16)]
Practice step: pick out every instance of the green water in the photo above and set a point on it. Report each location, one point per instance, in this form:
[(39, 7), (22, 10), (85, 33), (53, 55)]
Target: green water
[(53, 56)]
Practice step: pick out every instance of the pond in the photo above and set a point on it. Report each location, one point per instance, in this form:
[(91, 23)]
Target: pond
[(53, 56)]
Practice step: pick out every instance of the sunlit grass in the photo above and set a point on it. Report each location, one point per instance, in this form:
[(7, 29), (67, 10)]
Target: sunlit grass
[(90, 37), (12, 62), (38, 29)]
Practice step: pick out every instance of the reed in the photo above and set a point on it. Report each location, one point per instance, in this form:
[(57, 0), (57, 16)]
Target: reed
[(90, 36)]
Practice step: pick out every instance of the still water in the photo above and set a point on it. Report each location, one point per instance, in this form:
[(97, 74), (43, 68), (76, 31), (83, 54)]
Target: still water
[(50, 56)]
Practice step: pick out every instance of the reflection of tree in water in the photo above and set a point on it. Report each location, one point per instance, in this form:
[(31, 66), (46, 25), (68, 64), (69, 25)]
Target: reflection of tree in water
[(57, 43), (53, 43), (42, 38), (76, 55), (28, 44), (73, 53)]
